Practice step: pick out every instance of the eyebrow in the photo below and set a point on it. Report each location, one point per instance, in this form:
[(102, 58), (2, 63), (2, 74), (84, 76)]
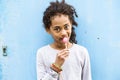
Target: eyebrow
[(59, 26), (55, 27), (66, 24)]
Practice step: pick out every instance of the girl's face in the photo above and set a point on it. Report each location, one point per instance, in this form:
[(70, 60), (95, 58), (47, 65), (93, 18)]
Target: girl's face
[(60, 28)]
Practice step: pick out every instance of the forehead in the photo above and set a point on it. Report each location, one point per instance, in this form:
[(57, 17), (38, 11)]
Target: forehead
[(60, 19)]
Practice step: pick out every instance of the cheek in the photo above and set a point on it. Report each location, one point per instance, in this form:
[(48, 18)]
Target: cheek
[(55, 36), (70, 31)]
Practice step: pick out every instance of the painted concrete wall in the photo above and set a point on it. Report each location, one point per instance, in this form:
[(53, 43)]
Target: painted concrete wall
[(22, 32)]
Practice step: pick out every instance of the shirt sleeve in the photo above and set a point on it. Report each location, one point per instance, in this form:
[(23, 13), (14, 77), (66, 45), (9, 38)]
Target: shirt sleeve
[(42, 73), (86, 73)]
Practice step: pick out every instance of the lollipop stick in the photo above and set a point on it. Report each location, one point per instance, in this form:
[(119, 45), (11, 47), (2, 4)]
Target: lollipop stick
[(66, 46), (65, 40)]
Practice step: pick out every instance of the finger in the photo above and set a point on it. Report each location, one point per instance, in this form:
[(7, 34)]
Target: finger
[(63, 57), (64, 51), (64, 54)]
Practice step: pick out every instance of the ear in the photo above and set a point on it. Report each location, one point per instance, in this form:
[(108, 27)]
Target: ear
[(48, 31)]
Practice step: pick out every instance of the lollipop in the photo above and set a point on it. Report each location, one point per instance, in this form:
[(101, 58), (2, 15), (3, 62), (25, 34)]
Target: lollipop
[(65, 40)]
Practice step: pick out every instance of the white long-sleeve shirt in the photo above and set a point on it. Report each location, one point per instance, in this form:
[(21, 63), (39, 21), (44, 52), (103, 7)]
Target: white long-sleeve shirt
[(75, 67)]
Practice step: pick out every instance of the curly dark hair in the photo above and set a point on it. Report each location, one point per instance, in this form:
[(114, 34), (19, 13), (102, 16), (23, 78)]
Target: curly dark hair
[(61, 8)]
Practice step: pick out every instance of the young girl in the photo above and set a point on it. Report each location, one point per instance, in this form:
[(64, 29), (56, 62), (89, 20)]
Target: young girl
[(63, 59)]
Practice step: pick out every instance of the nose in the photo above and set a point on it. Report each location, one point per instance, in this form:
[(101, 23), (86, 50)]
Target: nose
[(63, 32)]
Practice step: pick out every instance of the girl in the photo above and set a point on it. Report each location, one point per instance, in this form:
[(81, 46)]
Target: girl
[(63, 59)]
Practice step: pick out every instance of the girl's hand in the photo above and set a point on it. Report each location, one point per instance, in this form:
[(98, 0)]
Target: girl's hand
[(61, 56)]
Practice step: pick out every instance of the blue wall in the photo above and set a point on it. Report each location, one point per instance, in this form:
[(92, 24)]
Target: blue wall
[(21, 30)]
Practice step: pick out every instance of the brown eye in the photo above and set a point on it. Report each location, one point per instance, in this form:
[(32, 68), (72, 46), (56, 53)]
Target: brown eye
[(66, 27), (57, 29)]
